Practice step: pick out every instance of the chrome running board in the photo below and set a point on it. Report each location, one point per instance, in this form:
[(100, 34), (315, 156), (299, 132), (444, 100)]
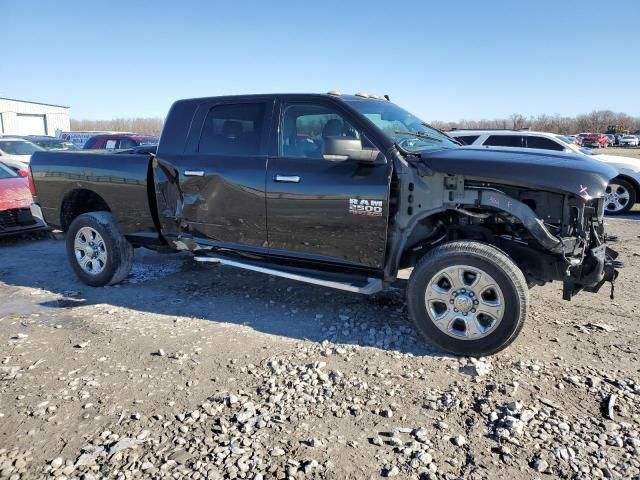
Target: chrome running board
[(372, 286)]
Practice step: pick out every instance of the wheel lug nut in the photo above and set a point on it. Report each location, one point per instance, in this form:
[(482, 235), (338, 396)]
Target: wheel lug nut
[(455, 309), (476, 302), (473, 310), (450, 301)]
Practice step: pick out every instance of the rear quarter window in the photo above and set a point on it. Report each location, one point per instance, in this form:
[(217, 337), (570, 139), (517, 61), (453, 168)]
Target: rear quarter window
[(6, 172), (543, 143)]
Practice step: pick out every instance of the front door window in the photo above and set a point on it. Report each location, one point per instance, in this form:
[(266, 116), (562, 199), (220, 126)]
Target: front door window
[(304, 128)]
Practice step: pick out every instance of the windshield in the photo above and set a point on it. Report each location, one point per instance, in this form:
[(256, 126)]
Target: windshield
[(148, 142), (19, 147), (566, 139), (60, 145), (574, 146), (405, 130)]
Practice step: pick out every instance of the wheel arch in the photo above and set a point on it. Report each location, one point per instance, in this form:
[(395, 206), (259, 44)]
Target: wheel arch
[(79, 201), (432, 230)]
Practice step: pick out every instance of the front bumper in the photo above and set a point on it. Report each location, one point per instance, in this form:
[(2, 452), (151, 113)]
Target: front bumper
[(21, 221), (599, 266)]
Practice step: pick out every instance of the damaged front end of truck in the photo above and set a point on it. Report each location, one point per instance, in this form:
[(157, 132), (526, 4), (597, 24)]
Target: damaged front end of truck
[(545, 212)]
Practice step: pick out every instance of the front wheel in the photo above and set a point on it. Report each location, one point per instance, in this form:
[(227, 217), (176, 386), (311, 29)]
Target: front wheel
[(620, 197), (468, 297), (97, 251)]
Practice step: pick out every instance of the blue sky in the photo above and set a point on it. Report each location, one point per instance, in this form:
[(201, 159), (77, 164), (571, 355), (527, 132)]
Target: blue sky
[(441, 60)]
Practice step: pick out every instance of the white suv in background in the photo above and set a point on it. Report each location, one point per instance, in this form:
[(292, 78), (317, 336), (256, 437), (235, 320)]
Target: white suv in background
[(622, 192), (16, 153), (629, 141)]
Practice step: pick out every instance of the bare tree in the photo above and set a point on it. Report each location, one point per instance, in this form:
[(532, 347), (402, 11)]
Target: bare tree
[(149, 126), (595, 121)]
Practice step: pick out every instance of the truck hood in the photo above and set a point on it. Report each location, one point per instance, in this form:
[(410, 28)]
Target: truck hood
[(576, 175), (14, 193)]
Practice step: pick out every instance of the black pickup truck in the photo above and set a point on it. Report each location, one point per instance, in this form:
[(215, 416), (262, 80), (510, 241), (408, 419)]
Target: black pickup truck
[(342, 191)]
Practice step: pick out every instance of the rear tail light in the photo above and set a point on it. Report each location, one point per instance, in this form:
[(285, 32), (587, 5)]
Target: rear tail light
[(32, 186)]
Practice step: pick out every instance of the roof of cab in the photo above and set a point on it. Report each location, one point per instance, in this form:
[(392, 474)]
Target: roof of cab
[(332, 95)]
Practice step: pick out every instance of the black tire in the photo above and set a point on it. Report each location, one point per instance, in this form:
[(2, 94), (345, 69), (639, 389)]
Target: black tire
[(118, 251), (488, 260), (631, 201)]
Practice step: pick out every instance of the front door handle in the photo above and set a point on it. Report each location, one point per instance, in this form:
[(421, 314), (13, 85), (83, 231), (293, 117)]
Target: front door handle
[(194, 173), (288, 178)]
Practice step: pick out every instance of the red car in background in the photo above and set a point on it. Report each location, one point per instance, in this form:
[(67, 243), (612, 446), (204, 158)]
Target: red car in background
[(595, 140), (18, 214), (119, 141)]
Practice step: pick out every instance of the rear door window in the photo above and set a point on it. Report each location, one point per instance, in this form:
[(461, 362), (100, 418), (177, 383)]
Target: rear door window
[(504, 141), (543, 143), (233, 129)]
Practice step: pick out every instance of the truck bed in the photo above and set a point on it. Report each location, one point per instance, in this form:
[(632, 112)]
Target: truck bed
[(121, 181)]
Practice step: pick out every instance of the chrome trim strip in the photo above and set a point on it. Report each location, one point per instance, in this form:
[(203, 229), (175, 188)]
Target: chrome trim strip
[(373, 286)]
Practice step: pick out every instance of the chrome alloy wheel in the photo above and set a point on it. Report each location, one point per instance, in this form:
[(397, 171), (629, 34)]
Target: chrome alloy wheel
[(90, 250), (464, 302), (616, 198)]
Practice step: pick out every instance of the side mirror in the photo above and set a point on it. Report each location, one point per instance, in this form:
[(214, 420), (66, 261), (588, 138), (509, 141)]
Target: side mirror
[(343, 148)]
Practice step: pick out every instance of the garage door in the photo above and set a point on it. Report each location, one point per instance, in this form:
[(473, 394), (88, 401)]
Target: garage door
[(31, 124)]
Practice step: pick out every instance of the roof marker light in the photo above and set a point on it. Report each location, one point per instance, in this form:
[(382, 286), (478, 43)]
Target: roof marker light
[(335, 93)]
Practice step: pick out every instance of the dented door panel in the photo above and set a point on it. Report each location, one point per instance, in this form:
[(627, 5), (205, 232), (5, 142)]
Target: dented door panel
[(225, 204)]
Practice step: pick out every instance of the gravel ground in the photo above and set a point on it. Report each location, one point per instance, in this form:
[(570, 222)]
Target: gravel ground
[(201, 371)]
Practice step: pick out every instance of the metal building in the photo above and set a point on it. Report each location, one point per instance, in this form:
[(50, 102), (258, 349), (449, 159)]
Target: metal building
[(21, 117)]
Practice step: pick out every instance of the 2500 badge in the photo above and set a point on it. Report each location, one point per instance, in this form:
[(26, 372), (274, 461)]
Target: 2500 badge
[(372, 208)]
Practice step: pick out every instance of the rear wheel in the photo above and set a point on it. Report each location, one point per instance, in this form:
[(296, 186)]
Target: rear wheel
[(620, 197), (468, 297), (97, 251)]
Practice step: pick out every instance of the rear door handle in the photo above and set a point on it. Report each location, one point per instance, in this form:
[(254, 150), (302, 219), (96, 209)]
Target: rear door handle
[(194, 173), (287, 178)]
